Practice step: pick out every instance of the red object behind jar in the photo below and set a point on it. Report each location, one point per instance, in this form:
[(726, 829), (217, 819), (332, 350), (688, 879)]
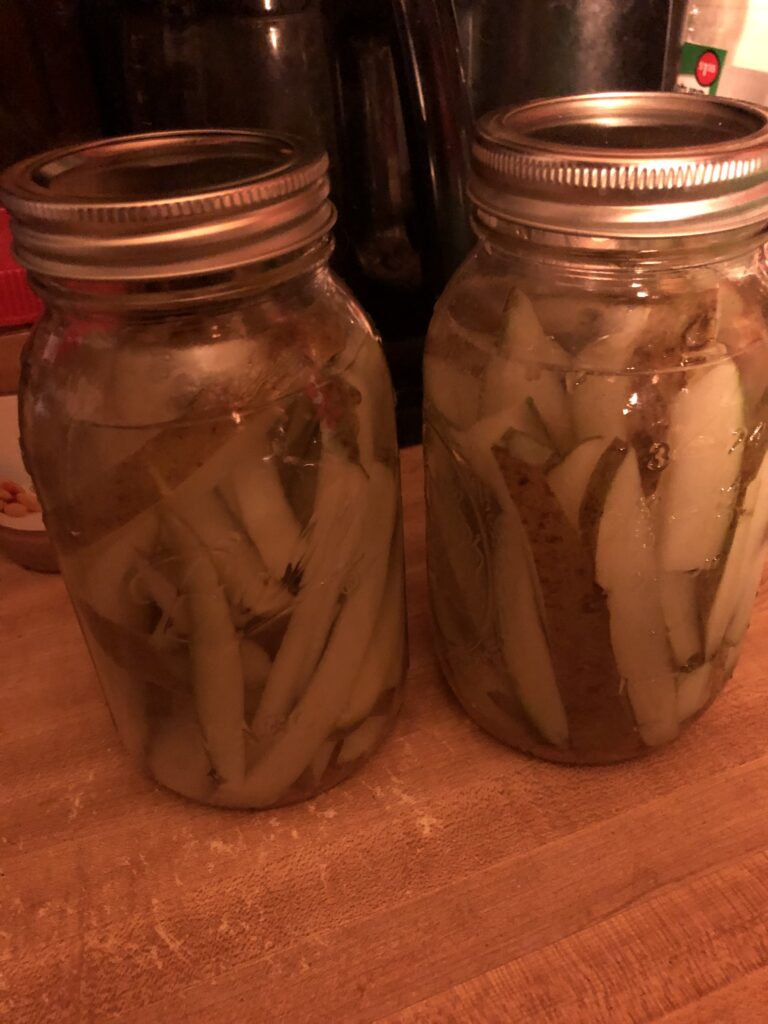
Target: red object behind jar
[(18, 303), (22, 539)]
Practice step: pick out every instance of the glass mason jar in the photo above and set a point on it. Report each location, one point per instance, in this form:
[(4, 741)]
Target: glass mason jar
[(209, 422), (596, 395)]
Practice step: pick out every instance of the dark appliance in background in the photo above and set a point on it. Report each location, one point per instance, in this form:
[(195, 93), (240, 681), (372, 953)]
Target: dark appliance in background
[(389, 87), (519, 50), (46, 87), (378, 84)]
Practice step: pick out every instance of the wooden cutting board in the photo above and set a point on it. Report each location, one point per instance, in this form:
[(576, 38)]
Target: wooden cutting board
[(450, 880)]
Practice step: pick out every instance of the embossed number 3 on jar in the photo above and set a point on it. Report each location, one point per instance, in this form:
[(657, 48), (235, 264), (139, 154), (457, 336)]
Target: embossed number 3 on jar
[(596, 397), (208, 419)]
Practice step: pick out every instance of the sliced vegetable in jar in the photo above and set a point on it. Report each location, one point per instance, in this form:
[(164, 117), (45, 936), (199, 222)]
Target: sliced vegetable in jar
[(575, 613), (698, 490), (523, 378), (626, 570)]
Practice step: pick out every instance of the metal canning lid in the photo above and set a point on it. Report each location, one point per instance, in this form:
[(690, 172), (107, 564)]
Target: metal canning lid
[(623, 165), (166, 204)]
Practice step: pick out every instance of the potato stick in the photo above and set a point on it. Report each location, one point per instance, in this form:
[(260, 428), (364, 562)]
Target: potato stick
[(249, 586), (259, 502), (336, 530), (700, 484), (313, 718), (217, 673), (626, 569)]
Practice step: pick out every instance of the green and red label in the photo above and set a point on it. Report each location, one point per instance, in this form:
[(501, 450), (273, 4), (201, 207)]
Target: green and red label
[(700, 68)]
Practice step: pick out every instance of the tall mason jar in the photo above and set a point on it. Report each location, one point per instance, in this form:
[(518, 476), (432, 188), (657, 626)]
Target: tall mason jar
[(208, 419), (596, 396)]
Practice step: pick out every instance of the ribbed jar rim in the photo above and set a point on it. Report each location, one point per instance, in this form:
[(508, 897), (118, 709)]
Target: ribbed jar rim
[(623, 165), (167, 204)]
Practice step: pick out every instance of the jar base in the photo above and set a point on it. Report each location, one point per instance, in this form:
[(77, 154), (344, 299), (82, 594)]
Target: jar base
[(545, 752), (332, 777)]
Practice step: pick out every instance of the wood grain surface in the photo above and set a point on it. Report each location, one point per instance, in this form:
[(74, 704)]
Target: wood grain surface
[(450, 881)]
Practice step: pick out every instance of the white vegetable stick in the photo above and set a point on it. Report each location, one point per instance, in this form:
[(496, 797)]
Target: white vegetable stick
[(336, 529), (522, 374), (169, 461), (599, 400), (677, 591), (476, 443), (314, 716), (257, 499), (626, 568), (245, 443), (312, 719), (249, 586), (217, 673), (569, 480), (698, 489)]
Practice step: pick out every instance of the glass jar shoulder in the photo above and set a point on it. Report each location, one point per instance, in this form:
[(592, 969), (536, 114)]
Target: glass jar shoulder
[(625, 316), (142, 366), (118, 409)]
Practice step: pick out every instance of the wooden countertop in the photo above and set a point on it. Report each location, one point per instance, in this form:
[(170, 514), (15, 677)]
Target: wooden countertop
[(450, 881)]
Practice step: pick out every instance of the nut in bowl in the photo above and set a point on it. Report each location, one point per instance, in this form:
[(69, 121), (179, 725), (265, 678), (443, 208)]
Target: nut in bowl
[(23, 537), (17, 503)]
